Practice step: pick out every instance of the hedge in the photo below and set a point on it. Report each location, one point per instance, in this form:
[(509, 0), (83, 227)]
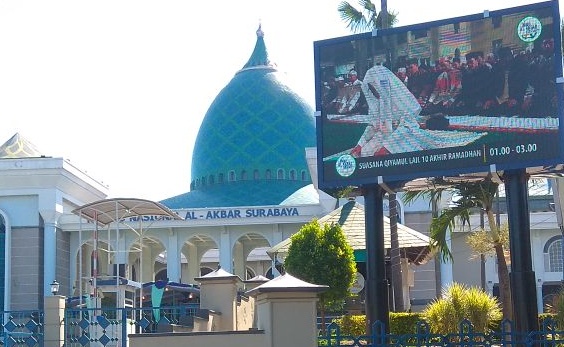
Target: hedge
[(401, 323)]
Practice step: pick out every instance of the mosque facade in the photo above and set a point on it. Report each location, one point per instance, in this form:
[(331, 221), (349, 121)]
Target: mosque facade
[(251, 188), (253, 185)]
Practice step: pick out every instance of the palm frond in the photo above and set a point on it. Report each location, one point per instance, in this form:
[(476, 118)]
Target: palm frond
[(433, 195), (365, 18), (443, 225), (392, 19), (353, 18)]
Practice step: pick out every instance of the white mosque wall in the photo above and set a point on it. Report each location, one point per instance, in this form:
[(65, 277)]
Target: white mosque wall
[(185, 242), (21, 210), (546, 239)]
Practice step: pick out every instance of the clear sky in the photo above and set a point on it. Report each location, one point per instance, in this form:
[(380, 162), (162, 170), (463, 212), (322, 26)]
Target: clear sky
[(120, 87)]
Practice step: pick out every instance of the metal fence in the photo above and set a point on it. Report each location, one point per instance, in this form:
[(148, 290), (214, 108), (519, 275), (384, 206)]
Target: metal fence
[(506, 335), (107, 327), (110, 326), (22, 328)]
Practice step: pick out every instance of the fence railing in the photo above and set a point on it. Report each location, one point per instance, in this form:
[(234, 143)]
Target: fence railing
[(107, 327), (22, 328), (466, 336), (110, 326)]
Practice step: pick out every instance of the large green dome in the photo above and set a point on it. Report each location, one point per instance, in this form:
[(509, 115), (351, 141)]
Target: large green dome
[(250, 149)]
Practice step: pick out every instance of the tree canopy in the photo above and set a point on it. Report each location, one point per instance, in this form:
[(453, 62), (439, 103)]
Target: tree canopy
[(321, 255), (364, 18)]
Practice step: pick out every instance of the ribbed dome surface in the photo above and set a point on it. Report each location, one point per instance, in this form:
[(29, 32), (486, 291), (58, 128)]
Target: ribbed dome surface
[(250, 149)]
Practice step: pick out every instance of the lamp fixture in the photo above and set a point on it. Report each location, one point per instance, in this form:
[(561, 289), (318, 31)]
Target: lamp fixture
[(55, 287)]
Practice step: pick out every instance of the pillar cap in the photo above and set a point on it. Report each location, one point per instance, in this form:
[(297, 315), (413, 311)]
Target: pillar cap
[(216, 275), (257, 279), (287, 283)]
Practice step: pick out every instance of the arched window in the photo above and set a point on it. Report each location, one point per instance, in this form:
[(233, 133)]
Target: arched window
[(280, 174), (197, 182), (256, 175), (293, 175), (268, 175), (210, 179), (243, 175), (203, 181), (250, 273), (231, 176), (269, 274), (303, 175), (161, 275), (220, 178), (553, 254), (204, 270)]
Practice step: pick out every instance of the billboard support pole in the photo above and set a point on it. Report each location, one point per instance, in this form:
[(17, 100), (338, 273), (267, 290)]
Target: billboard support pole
[(523, 281), (376, 283)]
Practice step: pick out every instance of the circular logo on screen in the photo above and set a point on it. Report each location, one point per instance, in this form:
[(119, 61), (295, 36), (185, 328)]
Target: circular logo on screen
[(346, 164), (529, 29)]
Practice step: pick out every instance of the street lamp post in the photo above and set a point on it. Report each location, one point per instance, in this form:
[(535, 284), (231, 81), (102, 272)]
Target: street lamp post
[(55, 287)]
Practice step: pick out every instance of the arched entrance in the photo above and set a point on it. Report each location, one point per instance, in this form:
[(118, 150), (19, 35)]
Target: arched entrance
[(196, 257), (249, 255)]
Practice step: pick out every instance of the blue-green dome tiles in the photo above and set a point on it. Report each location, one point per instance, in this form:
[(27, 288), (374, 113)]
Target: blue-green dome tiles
[(234, 194), (256, 125), (256, 122)]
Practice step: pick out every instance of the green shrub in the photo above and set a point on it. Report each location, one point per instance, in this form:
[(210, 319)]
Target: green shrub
[(548, 316), (354, 325), (556, 308), (400, 323), (404, 322), (458, 303)]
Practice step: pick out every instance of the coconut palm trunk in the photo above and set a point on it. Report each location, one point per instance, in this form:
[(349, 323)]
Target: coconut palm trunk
[(502, 270)]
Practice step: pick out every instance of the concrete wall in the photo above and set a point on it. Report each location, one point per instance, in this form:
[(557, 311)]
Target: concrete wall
[(253, 338), (466, 265), (245, 313), (207, 325), (425, 280), (286, 317)]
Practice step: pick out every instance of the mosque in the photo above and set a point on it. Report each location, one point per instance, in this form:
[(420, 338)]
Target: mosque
[(254, 184)]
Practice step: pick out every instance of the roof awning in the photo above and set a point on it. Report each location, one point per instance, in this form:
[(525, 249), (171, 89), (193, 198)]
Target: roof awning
[(113, 210), (414, 245)]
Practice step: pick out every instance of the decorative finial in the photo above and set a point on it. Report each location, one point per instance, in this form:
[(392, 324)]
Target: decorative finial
[(260, 33), (259, 57)]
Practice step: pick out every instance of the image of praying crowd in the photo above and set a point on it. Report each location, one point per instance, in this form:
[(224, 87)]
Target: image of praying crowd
[(504, 82)]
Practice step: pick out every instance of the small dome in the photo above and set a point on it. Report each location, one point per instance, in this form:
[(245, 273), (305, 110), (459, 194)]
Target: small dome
[(250, 149)]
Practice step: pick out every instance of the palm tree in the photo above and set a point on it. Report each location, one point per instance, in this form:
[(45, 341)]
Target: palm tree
[(469, 195), (363, 20), (366, 18)]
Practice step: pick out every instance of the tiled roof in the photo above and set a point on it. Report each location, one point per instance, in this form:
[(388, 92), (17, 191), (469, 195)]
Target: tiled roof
[(18, 147), (350, 216)]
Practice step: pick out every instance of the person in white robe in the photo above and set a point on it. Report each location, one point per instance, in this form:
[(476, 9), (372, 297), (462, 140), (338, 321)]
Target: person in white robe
[(392, 120)]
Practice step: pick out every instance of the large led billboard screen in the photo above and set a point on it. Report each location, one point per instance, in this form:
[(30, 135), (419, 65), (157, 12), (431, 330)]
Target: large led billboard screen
[(460, 95)]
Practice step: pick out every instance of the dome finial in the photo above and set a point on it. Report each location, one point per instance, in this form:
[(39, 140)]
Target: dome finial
[(259, 57), (260, 33)]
